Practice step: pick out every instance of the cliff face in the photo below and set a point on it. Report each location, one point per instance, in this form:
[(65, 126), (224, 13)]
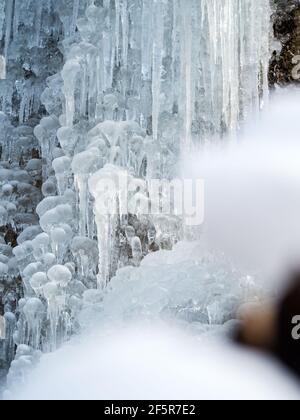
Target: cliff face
[(286, 27)]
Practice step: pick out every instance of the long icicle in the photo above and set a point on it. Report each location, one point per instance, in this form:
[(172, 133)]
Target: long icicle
[(8, 19)]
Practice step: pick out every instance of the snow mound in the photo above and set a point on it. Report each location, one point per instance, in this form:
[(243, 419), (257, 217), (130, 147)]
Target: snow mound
[(153, 363)]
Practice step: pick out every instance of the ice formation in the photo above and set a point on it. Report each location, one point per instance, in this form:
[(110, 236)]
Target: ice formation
[(169, 285), (107, 88)]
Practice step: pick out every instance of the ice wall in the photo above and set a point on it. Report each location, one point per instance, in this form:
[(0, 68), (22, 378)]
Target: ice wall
[(183, 70), (142, 81), (150, 79), (30, 33)]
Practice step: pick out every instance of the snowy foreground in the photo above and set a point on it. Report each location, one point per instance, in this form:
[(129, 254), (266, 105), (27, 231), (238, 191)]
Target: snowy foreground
[(185, 302), (154, 363)]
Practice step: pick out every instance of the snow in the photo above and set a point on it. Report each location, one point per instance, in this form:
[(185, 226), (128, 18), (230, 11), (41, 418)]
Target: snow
[(175, 365)]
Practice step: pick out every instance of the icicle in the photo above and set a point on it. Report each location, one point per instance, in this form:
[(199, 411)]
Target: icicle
[(146, 39), (157, 55), (81, 186), (74, 17), (9, 345), (2, 18), (117, 30), (83, 94), (125, 33), (107, 218), (187, 69), (38, 22), (9, 21), (70, 74), (16, 18)]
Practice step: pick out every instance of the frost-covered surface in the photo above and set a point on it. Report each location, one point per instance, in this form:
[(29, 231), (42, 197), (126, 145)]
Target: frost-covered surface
[(142, 80)]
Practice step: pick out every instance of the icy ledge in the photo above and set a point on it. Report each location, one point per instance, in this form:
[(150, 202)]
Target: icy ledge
[(186, 284)]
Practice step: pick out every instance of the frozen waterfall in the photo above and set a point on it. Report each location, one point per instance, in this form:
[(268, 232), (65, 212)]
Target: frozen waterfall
[(107, 89)]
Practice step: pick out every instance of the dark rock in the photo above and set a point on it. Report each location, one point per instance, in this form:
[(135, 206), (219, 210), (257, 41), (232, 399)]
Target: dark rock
[(286, 27)]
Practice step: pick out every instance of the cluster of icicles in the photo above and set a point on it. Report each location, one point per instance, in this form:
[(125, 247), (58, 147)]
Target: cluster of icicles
[(26, 27), (142, 81)]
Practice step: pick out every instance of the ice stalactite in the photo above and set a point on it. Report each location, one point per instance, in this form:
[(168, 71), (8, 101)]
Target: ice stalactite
[(157, 67), (75, 16), (147, 26), (2, 18), (33, 311), (117, 31), (84, 164), (38, 22), (187, 70), (70, 74), (16, 18), (108, 187), (46, 132), (8, 22), (10, 325), (106, 217)]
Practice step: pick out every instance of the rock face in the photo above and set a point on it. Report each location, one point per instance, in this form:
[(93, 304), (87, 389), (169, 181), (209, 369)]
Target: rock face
[(283, 65)]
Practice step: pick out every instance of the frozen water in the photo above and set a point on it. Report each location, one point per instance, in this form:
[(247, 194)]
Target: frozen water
[(60, 274), (62, 166), (130, 85), (3, 270), (187, 284), (37, 281), (61, 214)]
